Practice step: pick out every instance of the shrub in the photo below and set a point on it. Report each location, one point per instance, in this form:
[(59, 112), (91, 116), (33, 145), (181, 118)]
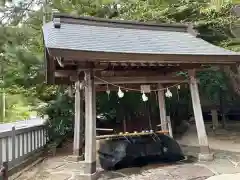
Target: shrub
[(60, 119)]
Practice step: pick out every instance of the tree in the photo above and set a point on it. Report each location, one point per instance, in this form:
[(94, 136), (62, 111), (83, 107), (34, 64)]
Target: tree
[(22, 58), (22, 46)]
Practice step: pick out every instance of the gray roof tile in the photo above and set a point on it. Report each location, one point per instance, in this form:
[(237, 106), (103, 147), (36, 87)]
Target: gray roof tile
[(125, 40)]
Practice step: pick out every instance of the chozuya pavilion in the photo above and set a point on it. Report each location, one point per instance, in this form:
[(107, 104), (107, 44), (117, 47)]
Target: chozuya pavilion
[(92, 52)]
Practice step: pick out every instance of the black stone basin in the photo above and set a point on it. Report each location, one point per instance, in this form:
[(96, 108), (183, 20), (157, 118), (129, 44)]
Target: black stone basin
[(124, 152)]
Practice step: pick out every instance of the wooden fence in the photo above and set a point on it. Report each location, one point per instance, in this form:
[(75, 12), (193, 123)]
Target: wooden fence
[(17, 145)]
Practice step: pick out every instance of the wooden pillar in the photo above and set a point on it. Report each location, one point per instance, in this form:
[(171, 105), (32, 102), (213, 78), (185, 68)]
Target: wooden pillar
[(169, 126), (78, 125), (205, 154), (90, 125), (214, 118), (162, 108)]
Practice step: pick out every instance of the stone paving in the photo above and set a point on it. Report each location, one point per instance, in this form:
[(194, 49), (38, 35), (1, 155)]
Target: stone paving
[(226, 177), (175, 172), (61, 169)]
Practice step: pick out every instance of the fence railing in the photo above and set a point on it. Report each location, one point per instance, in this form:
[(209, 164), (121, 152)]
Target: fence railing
[(19, 144)]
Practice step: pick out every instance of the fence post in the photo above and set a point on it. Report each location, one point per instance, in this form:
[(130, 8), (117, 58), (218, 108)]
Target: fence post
[(4, 171), (1, 150), (13, 143), (14, 156)]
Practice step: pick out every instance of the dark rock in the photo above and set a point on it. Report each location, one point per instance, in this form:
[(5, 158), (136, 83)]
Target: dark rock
[(138, 151)]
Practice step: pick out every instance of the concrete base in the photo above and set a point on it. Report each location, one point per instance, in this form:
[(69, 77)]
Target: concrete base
[(75, 158), (94, 176), (206, 157)]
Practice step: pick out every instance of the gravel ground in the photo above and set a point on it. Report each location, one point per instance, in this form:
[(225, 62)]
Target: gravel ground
[(172, 172)]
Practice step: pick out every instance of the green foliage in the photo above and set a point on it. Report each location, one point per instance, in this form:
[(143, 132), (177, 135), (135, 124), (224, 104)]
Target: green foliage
[(22, 62), (60, 117), (17, 107), (212, 82), (213, 23), (22, 65)]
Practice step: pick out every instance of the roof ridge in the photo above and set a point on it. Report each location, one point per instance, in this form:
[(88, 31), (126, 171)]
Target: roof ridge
[(89, 20)]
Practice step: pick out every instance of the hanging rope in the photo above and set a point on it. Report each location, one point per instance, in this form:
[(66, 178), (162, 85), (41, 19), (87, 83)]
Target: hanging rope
[(131, 89)]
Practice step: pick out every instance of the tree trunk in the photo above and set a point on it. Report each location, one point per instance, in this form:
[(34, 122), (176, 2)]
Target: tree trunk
[(234, 77), (2, 98), (2, 106), (222, 108)]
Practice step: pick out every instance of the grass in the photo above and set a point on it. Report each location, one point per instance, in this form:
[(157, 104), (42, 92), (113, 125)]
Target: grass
[(18, 108)]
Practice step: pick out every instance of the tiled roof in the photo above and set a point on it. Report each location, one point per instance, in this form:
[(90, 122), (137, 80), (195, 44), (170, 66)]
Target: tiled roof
[(90, 37)]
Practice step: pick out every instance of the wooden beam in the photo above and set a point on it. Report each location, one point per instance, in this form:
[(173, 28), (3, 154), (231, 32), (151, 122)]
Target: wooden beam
[(169, 126), (134, 72), (91, 56), (205, 153), (129, 73), (79, 122), (114, 74), (103, 88), (74, 73), (134, 134), (90, 124), (122, 66), (50, 67), (128, 80), (162, 107), (74, 65)]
